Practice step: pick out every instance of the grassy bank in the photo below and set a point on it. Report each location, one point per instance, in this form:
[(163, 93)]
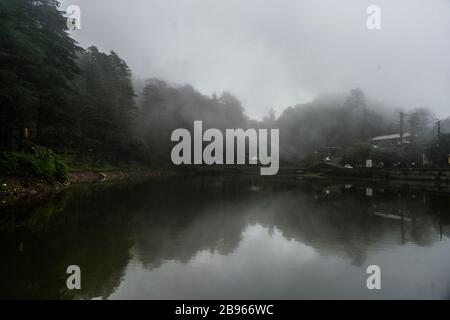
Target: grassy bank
[(42, 164), (37, 174)]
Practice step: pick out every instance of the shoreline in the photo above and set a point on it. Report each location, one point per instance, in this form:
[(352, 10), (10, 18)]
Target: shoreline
[(14, 189)]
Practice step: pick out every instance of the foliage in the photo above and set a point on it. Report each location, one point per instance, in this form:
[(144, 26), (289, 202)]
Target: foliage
[(165, 107), (103, 112), (418, 125), (83, 102), (439, 152), (43, 164), (38, 64), (331, 121)]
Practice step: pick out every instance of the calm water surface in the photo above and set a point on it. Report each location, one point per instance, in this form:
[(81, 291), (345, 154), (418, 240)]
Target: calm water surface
[(228, 238)]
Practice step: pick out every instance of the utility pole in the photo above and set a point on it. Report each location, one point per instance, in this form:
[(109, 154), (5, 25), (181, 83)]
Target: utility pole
[(438, 131), (402, 119)]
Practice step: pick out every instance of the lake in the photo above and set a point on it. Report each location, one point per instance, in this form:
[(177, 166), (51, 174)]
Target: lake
[(234, 237)]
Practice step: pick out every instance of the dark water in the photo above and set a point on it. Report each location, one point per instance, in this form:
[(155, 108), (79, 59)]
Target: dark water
[(228, 238)]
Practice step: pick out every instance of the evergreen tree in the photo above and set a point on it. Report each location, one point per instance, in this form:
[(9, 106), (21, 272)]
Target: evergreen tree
[(38, 64)]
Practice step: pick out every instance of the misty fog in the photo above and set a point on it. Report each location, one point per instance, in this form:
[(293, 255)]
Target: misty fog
[(275, 54), (224, 149)]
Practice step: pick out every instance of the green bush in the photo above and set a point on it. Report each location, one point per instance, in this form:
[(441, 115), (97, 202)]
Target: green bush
[(61, 171), (42, 164)]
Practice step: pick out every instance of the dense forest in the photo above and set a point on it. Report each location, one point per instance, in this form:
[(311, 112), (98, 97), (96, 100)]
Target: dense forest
[(85, 104), (349, 122), (38, 66), (55, 94)]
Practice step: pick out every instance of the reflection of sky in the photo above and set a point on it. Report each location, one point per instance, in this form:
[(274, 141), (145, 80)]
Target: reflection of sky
[(268, 266)]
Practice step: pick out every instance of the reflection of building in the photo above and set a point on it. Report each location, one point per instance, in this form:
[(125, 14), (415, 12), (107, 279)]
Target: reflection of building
[(391, 140)]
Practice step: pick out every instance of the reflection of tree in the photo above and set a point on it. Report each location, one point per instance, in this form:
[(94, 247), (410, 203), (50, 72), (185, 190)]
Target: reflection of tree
[(350, 222), (340, 222), (179, 219), (89, 230), (101, 228)]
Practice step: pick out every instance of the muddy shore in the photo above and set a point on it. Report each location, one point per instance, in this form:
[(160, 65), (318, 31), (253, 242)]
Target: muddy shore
[(15, 189)]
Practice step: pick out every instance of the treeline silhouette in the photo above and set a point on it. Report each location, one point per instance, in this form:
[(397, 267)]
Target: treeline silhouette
[(55, 94), (332, 120), (164, 107), (84, 102), (38, 63)]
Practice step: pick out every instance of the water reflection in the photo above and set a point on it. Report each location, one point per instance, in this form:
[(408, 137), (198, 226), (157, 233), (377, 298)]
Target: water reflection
[(228, 238)]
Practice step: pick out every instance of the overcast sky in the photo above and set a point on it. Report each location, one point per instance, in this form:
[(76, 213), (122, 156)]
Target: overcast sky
[(277, 53)]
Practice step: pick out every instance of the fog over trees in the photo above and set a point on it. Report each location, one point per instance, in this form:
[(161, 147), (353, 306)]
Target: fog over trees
[(85, 102)]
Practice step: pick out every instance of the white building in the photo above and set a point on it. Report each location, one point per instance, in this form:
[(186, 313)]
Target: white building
[(391, 140)]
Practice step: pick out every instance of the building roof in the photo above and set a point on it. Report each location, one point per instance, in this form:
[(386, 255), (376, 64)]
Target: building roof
[(390, 137)]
